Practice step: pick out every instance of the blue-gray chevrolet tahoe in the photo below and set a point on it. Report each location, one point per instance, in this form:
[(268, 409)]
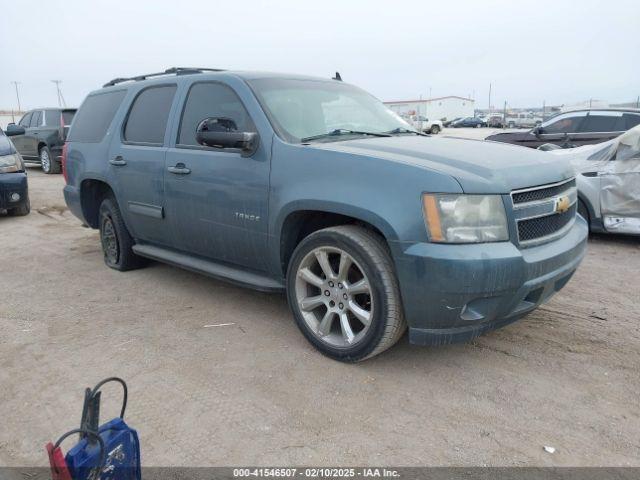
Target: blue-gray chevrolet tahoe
[(313, 187)]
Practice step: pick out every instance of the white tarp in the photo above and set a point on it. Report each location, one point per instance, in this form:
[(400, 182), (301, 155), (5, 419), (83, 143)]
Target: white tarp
[(617, 163)]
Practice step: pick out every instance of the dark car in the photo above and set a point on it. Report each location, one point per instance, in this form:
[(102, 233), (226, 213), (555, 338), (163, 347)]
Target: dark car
[(370, 226), (14, 194), (473, 122), (572, 129), (449, 123), (40, 136)]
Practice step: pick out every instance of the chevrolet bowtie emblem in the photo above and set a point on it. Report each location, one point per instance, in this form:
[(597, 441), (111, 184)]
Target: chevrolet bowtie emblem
[(562, 204)]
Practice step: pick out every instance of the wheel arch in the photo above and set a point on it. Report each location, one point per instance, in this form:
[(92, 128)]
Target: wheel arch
[(92, 192), (303, 219)]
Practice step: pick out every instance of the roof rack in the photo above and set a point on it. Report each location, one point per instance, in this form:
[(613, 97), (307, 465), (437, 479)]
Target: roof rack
[(169, 71)]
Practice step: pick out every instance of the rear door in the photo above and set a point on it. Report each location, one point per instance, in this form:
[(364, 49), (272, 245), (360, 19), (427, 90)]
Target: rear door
[(136, 160), (217, 199), (600, 126)]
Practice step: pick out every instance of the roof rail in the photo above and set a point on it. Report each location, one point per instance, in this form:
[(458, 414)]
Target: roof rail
[(169, 71)]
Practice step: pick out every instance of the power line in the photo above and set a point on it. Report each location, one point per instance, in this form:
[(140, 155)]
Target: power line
[(61, 101)]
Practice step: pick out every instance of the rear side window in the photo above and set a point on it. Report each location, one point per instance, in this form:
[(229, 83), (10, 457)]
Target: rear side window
[(95, 116), (211, 100), (149, 114), (52, 118), (67, 117), (603, 123), (631, 120)]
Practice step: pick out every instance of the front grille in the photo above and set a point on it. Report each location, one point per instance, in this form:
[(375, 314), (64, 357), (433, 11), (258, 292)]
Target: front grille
[(541, 193), (536, 228)]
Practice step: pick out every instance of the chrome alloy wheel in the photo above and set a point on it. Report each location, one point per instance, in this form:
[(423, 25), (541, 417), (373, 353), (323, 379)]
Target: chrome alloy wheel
[(45, 160), (334, 296)]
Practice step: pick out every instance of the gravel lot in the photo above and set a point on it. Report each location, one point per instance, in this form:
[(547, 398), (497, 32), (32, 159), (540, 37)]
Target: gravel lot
[(255, 392)]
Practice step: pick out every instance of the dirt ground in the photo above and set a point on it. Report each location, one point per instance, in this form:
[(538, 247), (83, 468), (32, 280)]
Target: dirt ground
[(255, 392)]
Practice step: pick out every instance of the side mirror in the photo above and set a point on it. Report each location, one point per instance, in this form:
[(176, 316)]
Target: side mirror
[(222, 132), (13, 129), (537, 130)]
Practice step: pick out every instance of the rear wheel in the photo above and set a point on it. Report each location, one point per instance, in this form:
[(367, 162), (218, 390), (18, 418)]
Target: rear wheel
[(48, 164), (116, 241), (343, 292)]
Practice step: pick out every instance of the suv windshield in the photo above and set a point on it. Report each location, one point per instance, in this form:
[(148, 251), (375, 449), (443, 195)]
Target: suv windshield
[(311, 109)]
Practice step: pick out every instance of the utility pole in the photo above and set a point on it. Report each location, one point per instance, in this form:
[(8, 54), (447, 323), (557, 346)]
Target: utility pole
[(17, 95), (489, 96), (504, 115), (544, 105), (61, 101), (638, 102)]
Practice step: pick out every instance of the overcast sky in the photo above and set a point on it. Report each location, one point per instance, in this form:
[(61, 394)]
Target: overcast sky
[(534, 51)]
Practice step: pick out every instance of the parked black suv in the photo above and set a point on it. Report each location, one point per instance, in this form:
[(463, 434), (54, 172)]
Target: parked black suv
[(40, 136), (572, 129)]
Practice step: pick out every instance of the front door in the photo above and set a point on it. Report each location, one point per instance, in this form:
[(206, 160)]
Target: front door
[(216, 199), (137, 163), (19, 141)]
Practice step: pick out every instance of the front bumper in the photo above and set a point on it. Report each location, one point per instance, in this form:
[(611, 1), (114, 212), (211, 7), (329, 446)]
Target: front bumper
[(453, 293), (12, 184)]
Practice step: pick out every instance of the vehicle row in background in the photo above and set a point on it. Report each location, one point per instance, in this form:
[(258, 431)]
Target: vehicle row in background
[(39, 136), (608, 182), (576, 128), (14, 193)]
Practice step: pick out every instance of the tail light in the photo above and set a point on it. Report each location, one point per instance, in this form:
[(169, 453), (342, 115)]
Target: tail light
[(63, 162)]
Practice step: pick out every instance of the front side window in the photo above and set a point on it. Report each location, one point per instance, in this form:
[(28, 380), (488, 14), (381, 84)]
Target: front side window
[(305, 108), (631, 120), (35, 118), (207, 100), (149, 115), (569, 123), (24, 122)]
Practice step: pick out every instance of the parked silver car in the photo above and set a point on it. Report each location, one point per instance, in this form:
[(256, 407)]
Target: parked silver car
[(608, 182)]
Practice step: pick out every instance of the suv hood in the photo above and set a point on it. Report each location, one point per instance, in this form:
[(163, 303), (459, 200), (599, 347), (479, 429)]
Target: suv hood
[(479, 166)]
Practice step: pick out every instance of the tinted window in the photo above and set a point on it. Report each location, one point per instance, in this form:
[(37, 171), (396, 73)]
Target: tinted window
[(149, 114), (95, 116), (35, 118), (631, 120), (52, 118), (603, 123), (564, 124), (24, 122), (67, 117), (211, 100)]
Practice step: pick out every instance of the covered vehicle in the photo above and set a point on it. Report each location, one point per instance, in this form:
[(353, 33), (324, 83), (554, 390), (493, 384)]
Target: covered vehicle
[(608, 182), (14, 195)]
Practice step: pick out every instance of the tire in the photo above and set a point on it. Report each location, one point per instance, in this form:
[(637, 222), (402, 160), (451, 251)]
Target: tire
[(435, 129), (116, 240), (22, 210), (369, 288), (584, 212), (48, 164)]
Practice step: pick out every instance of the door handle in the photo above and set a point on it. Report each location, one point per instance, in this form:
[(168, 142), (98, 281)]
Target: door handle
[(118, 161), (179, 169)]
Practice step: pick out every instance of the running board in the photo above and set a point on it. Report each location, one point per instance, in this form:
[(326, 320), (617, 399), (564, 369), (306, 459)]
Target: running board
[(235, 275)]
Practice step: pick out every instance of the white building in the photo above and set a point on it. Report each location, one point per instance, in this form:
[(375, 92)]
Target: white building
[(440, 108)]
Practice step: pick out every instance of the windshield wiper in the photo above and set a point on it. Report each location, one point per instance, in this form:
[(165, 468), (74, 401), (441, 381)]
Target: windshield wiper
[(343, 131), (398, 130)]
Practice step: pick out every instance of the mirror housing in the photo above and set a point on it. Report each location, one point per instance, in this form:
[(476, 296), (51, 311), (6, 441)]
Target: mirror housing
[(222, 132), (13, 129), (537, 130)]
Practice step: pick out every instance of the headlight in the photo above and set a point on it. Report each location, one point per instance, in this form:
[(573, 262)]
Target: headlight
[(10, 163), (453, 218)]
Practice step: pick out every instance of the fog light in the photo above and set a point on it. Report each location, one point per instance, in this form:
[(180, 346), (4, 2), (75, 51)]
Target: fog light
[(14, 197)]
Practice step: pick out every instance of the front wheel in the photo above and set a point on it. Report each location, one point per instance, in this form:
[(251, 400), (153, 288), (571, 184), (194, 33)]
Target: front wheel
[(584, 212), (435, 129), (343, 292)]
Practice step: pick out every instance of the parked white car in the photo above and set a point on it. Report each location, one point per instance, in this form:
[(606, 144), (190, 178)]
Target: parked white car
[(522, 120), (423, 124), (608, 182)]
